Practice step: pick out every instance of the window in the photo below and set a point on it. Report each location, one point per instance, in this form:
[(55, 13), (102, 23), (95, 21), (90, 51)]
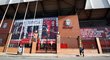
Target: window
[(1, 40)]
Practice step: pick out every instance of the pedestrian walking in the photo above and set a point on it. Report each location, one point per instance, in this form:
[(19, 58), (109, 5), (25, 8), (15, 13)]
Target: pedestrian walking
[(82, 51), (20, 50)]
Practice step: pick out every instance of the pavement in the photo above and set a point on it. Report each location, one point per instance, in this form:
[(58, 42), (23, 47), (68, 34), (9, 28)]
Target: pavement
[(53, 55), (47, 56)]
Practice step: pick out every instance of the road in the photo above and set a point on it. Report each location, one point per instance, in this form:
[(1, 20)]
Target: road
[(53, 58)]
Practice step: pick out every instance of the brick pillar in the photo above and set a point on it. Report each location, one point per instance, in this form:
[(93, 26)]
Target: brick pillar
[(80, 41), (58, 43), (7, 42), (99, 45), (33, 50)]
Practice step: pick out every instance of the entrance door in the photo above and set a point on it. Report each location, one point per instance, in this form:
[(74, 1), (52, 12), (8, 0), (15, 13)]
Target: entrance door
[(105, 44), (46, 46), (47, 43)]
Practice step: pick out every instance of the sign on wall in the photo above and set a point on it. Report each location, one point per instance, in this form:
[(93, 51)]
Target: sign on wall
[(67, 24), (91, 33)]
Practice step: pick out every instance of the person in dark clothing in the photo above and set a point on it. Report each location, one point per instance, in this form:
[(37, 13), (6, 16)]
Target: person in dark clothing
[(82, 51)]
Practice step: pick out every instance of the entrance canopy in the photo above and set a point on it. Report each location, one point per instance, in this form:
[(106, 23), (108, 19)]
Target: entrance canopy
[(5, 2), (97, 4), (54, 8)]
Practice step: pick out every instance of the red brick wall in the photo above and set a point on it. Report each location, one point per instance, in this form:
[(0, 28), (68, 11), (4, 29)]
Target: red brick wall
[(4, 38), (5, 31), (1, 49), (69, 36), (13, 50)]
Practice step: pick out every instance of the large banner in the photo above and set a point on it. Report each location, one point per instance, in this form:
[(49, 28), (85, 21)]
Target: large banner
[(24, 28), (47, 28), (91, 33), (50, 28)]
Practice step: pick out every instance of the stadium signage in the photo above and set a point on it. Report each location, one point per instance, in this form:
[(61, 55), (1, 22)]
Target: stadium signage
[(67, 24)]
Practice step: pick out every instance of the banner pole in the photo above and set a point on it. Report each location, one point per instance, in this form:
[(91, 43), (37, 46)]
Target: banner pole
[(23, 22), (10, 34)]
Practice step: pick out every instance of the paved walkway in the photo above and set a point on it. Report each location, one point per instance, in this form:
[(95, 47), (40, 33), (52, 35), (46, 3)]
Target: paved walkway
[(51, 55), (53, 58)]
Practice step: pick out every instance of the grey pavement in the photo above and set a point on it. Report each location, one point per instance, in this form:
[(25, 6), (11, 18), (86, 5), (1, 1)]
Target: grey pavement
[(52, 55), (54, 58), (4, 56)]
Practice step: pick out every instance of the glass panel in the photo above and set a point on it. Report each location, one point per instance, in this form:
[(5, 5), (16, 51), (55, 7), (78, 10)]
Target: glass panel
[(3, 2), (29, 0), (15, 1), (88, 5), (93, 3), (109, 2), (101, 4)]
